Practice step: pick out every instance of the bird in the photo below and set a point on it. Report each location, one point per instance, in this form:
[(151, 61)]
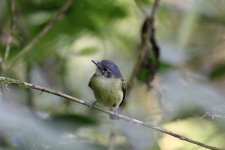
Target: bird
[(108, 86)]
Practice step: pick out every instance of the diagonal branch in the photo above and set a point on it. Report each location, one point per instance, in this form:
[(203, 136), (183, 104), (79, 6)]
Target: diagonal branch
[(51, 23), (7, 80)]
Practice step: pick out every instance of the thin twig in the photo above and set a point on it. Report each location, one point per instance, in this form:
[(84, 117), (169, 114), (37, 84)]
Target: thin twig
[(144, 45), (19, 25), (154, 7), (51, 23), (9, 39), (7, 81)]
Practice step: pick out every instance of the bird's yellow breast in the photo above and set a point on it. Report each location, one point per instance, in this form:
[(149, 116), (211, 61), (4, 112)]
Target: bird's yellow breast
[(107, 91)]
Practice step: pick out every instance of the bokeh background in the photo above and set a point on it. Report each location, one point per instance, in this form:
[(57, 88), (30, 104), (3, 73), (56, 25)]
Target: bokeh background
[(187, 94)]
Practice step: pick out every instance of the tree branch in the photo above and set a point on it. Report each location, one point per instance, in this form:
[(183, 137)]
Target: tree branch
[(30, 45), (11, 4), (148, 35), (7, 81)]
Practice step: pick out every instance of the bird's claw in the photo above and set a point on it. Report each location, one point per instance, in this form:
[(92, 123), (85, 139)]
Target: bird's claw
[(115, 115)]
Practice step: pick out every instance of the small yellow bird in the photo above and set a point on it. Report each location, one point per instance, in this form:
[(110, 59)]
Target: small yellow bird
[(108, 86)]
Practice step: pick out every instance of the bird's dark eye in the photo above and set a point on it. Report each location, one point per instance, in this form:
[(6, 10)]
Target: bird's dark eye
[(104, 69)]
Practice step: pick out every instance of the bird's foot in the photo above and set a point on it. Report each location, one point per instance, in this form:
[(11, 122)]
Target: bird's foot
[(115, 115)]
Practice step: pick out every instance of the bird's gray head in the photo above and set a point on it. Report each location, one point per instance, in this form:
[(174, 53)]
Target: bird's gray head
[(107, 69)]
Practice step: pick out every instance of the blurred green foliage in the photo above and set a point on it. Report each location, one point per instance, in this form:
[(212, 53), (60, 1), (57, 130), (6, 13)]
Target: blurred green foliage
[(190, 81), (83, 16), (218, 71)]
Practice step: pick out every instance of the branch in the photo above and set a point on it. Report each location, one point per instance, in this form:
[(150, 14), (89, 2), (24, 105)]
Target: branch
[(7, 81), (53, 21), (148, 35), (9, 39)]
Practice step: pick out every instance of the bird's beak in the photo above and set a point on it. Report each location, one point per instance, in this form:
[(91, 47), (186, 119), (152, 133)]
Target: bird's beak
[(96, 63)]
